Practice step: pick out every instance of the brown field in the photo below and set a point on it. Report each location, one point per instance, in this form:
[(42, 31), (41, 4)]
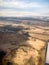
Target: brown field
[(26, 45)]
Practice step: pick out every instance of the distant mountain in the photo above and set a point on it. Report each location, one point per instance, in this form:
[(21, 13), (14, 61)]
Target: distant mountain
[(45, 19)]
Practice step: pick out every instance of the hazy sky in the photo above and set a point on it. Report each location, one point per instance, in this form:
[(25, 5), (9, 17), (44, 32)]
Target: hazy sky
[(24, 7)]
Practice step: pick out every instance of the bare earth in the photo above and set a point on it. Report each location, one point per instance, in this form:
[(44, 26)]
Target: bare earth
[(25, 45)]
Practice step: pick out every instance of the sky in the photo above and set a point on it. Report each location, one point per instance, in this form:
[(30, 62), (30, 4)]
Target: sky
[(24, 8)]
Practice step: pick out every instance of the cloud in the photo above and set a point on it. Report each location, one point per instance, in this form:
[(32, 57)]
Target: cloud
[(23, 8), (19, 4), (21, 13), (18, 13)]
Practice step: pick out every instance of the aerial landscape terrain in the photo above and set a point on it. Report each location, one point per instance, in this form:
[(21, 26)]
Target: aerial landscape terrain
[(23, 40), (24, 32)]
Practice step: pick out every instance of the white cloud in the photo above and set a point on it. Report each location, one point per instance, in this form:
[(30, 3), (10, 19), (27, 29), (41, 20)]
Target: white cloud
[(41, 9), (18, 13), (23, 13), (19, 4)]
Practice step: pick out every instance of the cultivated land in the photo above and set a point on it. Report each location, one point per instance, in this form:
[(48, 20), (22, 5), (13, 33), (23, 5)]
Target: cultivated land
[(24, 43)]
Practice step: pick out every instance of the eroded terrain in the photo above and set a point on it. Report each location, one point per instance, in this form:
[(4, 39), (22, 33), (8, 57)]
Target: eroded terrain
[(23, 44)]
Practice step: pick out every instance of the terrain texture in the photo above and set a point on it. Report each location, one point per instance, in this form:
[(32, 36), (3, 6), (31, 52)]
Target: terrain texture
[(23, 44)]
